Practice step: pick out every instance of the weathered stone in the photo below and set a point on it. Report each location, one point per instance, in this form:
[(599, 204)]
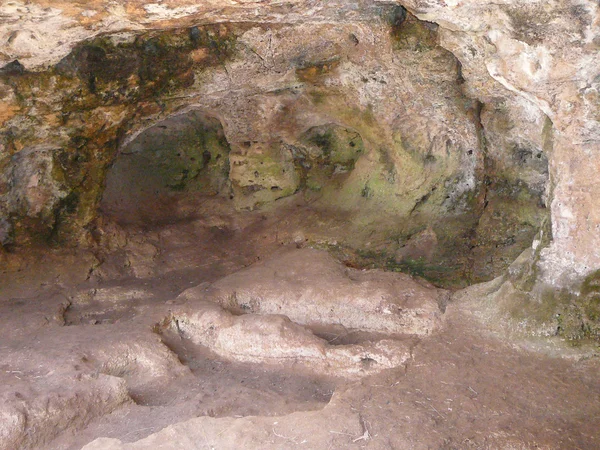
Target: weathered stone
[(277, 341), (456, 140), (185, 153), (458, 113), (291, 108), (262, 174), (311, 288)]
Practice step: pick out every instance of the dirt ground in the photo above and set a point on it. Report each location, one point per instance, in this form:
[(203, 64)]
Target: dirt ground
[(91, 356)]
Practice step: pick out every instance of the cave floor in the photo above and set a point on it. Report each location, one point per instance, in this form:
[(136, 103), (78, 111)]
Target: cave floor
[(88, 359)]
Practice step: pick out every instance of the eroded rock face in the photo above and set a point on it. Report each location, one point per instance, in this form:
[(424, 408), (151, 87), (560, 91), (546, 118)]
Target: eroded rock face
[(471, 125), (274, 340), (311, 288), (185, 153), (36, 186), (369, 121), (543, 53)]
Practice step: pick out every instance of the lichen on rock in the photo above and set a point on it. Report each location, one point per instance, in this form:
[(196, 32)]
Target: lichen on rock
[(470, 123)]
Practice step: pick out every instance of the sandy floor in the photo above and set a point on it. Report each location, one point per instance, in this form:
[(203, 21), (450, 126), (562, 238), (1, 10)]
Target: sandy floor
[(86, 353)]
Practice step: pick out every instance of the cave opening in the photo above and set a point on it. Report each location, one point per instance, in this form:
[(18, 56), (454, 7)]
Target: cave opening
[(184, 155), (390, 161)]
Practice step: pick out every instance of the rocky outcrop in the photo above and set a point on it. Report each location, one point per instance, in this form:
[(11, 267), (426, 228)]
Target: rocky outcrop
[(370, 121), (311, 288), (274, 340)]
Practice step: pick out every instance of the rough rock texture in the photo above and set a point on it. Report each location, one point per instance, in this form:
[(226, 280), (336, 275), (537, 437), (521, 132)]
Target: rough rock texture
[(53, 405), (544, 53), (275, 340), (102, 348), (446, 138), (439, 402), (88, 356), (539, 55), (252, 432), (65, 378), (186, 153), (360, 109), (311, 288)]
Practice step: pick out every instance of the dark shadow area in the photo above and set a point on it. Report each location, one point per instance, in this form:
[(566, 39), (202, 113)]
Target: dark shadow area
[(184, 154)]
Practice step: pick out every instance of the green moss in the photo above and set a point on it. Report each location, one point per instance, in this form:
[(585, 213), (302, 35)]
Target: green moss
[(366, 258), (313, 184), (322, 139), (388, 164), (511, 217), (560, 312), (196, 160), (318, 97), (391, 195), (577, 319), (110, 76), (263, 175), (591, 284), (313, 71), (414, 35), (326, 155)]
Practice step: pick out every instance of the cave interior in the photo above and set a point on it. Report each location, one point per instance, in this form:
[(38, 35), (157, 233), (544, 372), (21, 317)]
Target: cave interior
[(331, 227)]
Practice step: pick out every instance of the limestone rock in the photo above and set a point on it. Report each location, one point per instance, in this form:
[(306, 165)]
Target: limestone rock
[(36, 187), (274, 340), (310, 287), (362, 113), (250, 432), (471, 99)]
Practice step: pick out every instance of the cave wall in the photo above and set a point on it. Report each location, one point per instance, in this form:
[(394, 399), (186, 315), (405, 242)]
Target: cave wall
[(186, 153), (543, 52), (370, 121), (515, 83)]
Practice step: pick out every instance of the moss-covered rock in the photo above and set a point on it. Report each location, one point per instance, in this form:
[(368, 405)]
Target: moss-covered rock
[(83, 107), (185, 153), (511, 219), (262, 174), (130, 67), (369, 121), (326, 154), (522, 302)]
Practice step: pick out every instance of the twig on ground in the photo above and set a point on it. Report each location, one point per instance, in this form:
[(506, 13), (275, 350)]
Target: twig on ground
[(365, 437), (284, 437), (137, 431), (432, 407), (341, 433)]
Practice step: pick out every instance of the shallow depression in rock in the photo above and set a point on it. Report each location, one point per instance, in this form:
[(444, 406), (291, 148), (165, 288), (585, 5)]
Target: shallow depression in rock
[(250, 390)]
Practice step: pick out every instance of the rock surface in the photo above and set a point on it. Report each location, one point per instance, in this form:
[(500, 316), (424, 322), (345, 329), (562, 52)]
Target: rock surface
[(311, 288), (175, 142), (275, 340), (372, 121), (75, 341), (535, 60), (543, 53)]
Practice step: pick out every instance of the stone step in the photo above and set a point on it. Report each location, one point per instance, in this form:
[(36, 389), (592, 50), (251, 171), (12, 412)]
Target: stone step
[(311, 288), (276, 341)]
